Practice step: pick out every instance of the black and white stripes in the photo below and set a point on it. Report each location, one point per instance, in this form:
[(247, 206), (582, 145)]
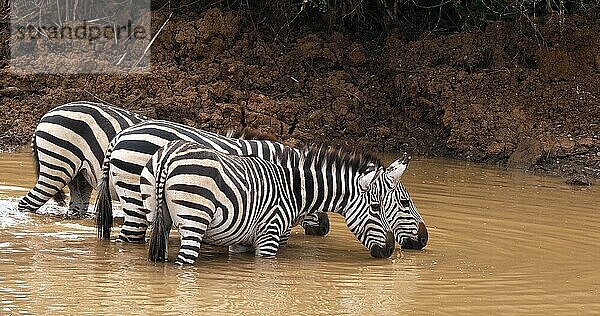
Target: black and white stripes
[(222, 199), (329, 182), (68, 147), (216, 199), (132, 148), (77, 143)]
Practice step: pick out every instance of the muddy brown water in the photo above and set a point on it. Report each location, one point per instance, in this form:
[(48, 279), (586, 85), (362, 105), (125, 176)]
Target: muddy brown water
[(501, 242)]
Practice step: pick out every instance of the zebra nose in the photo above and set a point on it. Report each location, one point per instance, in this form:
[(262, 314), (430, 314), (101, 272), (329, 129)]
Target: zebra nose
[(385, 251), (422, 238), (423, 234)]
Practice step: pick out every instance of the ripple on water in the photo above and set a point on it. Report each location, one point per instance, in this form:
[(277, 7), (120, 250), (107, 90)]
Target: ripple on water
[(501, 242), (9, 216)]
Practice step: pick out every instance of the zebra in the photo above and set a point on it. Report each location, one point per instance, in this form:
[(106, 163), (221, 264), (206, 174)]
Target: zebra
[(68, 149), (69, 145), (132, 148), (128, 153), (224, 200), (389, 194)]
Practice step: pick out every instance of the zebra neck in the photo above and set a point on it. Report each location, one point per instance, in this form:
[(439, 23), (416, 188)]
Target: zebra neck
[(323, 189)]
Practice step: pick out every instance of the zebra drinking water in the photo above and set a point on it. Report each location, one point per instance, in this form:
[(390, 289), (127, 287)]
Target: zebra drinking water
[(68, 149), (221, 199), (388, 193), (132, 148)]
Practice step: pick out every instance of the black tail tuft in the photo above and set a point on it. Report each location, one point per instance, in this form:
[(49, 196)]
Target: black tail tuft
[(158, 237), (104, 215)]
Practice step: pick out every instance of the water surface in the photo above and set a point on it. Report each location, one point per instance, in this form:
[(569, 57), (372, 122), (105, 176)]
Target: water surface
[(500, 242)]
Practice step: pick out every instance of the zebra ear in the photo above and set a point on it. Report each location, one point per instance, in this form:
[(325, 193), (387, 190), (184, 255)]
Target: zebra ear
[(365, 181), (397, 168)]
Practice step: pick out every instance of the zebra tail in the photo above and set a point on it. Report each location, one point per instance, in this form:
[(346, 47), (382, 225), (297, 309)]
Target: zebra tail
[(159, 237), (103, 208), (36, 158), (104, 216)]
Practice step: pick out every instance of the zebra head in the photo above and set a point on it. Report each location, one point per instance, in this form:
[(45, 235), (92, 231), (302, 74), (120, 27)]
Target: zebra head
[(366, 219), (399, 212)]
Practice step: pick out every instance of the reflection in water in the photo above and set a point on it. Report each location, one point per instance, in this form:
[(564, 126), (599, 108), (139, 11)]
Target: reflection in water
[(501, 242)]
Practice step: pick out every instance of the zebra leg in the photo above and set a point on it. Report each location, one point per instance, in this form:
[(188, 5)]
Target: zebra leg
[(134, 226), (316, 224), (44, 190), (53, 175), (191, 239), (135, 222), (191, 230), (267, 243), (81, 192), (283, 239)]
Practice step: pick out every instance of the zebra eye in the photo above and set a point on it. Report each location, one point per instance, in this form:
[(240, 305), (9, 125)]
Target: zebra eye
[(405, 203)]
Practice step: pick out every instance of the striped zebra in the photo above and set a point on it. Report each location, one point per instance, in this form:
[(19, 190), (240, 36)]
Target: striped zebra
[(225, 200), (131, 149), (324, 189), (68, 149), (69, 145), (388, 193)]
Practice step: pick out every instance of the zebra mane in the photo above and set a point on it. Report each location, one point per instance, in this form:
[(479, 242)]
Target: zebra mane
[(358, 161), (248, 133)]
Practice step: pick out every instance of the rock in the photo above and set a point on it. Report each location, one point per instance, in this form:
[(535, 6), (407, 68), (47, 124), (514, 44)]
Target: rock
[(587, 141), (565, 144), (579, 179), (527, 153), (356, 54)]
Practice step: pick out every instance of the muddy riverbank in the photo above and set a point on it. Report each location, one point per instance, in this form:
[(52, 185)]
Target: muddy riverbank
[(510, 93)]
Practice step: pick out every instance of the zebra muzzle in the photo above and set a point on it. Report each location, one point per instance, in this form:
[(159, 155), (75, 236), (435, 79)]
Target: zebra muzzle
[(422, 238), (385, 251), (321, 229)]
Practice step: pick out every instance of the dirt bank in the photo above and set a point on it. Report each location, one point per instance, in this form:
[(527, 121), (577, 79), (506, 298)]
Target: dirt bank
[(509, 94)]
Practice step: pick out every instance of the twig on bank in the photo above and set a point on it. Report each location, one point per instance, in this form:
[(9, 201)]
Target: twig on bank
[(152, 41), (97, 98)]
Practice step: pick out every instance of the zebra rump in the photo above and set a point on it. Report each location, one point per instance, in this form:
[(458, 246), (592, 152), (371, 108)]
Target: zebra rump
[(241, 200), (68, 146)]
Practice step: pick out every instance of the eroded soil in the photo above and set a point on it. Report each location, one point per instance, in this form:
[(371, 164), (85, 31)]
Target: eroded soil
[(510, 94)]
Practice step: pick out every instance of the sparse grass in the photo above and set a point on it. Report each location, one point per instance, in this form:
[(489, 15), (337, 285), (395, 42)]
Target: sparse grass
[(447, 15), (441, 16)]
